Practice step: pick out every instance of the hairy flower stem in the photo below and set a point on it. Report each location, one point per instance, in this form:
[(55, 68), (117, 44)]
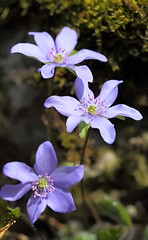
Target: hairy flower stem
[(84, 147), (49, 111), (32, 227), (82, 181)]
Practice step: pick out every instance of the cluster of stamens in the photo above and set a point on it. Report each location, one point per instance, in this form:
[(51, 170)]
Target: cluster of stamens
[(60, 57), (43, 186), (92, 106)]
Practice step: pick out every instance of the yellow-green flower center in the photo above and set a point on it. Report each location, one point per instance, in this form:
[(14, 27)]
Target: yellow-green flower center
[(42, 183), (58, 58), (92, 109), (42, 186)]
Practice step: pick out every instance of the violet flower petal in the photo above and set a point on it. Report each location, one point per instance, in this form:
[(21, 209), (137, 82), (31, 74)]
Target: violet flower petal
[(79, 88), (64, 105), (72, 122), (47, 71), (123, 110), (35, 206), (67, 175), (105, 127), (85, 54), (82, 90), (66, 40), (109, 92), (46, 160), (84, 73), (60, 200), (44, 41), (12, 192), (19, 171), (29, 50)]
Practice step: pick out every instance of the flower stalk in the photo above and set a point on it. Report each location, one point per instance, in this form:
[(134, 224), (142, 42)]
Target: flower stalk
[(82, 181), (50, 84), (84, 147)]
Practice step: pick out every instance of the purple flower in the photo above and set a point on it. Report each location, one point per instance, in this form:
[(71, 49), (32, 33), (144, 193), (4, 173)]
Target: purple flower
[(58, 53), (91, 110), (48, 183)]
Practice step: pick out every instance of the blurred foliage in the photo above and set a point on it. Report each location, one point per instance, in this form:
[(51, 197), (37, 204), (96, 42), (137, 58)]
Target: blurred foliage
[(113, 233), (86, 236), (113, 209), (145, 233)]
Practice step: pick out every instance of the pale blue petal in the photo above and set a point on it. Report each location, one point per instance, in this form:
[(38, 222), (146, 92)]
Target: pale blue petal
[(80, 88), (64, 105), (29, 50), (85, 54), (123, 110), (73, 121), (35, 206), (19, 171), (109, 92), (105, 127), (84, 73), (44, 41), (66, 176), (46, 160), (12, 192), (66, 40), (60, 200), (47, 71)]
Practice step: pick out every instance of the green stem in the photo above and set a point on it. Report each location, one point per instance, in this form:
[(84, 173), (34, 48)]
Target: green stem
[(84, 147), (49, 115), (32, 227), (82, 181)]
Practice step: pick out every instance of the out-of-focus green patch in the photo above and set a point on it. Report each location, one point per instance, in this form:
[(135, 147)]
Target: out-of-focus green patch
[(113, 233), (86, 236), (145, 234), (141, 170), (114, 210)]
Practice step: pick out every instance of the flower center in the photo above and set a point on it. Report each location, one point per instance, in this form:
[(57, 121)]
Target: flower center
[(92, 109), (58, 58), (42, 183), (43, 186), (54, 57)]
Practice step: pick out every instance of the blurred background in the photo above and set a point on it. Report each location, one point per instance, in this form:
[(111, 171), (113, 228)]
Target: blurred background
[(116, 176)]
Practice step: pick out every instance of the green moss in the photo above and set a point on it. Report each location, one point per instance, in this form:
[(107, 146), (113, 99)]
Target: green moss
[(103, 25)]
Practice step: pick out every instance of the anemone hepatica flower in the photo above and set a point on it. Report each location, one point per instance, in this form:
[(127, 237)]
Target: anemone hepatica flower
[(58, 53), (48, 184), (91, 110)]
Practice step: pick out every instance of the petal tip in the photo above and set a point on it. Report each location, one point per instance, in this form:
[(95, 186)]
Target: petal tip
[(30, 33), (12, 50), (46, 105), (104, 59), (139, 117)]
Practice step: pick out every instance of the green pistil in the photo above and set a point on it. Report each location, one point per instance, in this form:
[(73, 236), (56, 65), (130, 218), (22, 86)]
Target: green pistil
[(42, 183), (92, 109), (58, 58)]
